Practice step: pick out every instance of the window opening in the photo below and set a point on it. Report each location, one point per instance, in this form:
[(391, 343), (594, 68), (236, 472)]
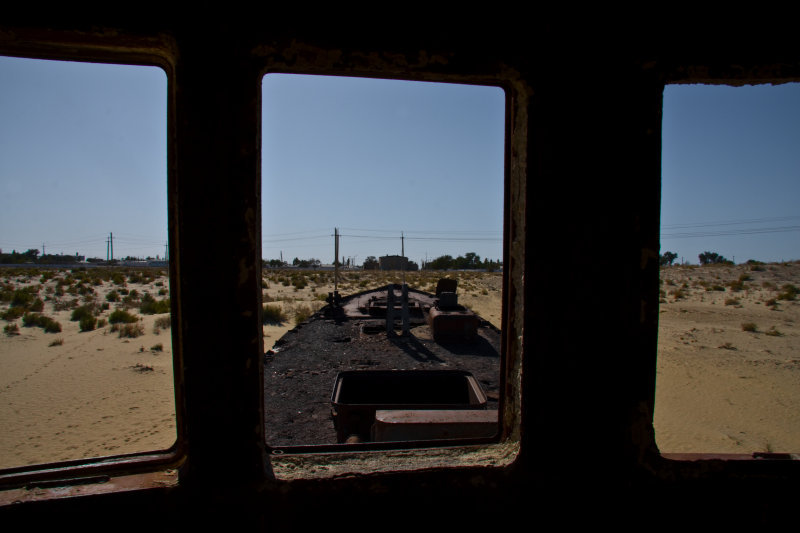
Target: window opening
[(85, 355), (728, 378), (402, 182)]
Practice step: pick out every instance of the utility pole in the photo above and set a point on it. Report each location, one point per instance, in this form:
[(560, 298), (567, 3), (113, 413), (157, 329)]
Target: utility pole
[(336, 260), (403, 256), (404, 292)]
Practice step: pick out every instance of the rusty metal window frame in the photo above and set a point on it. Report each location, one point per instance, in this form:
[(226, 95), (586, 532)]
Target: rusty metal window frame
[(300, 461), (692, 464), (146, 468)]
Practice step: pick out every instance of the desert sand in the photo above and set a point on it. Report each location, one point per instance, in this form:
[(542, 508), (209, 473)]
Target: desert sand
[(728, 378), (93, 393)]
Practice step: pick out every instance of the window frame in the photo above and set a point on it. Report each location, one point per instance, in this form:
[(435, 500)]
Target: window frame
[(511, 93), (672, 462), (200, 462), (100, 469)]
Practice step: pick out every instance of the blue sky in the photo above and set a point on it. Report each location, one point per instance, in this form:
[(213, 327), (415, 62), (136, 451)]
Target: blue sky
[(731, 172), (377, 159), (83, 154)]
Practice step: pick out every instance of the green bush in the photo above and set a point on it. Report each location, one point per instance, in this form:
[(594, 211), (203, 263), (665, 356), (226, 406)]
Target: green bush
[(12, 313), (88, 323), (81, 312), (23, 298), (151, 306), (113, 296), (30, 320), (45, 322), (120, 316), (273, 314), (11, 329)]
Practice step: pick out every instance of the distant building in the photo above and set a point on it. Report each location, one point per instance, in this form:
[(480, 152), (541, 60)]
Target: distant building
[(393, 262)]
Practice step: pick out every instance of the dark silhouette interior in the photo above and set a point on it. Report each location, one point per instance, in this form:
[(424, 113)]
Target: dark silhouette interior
[(582, 206)]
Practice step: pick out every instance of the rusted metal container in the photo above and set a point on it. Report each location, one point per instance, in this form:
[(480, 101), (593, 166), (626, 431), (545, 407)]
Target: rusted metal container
[(453, 324), (358, 394)]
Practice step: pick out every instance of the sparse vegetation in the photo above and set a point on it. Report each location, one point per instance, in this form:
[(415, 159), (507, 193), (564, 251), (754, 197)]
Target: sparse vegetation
[(163, 322), (45, 322), (12, 313), (57, 342), (678, 294), (131, 330), (749, 327), (11, 329), (273, 314), (151, 306), (79, 313), (87, 323), (789, 292), (302, 313), (120, 316)]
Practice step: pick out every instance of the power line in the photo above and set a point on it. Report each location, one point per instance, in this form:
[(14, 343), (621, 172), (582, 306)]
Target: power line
[(751, 231)]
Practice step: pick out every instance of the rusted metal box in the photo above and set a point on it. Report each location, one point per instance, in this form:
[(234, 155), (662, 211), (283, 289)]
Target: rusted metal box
[(453, 325), (357, 394)]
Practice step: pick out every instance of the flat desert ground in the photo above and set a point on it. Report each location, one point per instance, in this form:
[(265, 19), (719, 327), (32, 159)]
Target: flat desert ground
[(728, 378), (75, 394)]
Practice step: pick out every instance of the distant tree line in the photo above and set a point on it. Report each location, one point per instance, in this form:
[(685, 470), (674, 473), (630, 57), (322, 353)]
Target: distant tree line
[(706, 258), (296, 262), (468, 261), (32, 256), (667, 258), (713, 258)]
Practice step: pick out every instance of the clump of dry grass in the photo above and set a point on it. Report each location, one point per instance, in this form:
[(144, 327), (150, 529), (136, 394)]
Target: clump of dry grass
[(302, 313), (128, 330)]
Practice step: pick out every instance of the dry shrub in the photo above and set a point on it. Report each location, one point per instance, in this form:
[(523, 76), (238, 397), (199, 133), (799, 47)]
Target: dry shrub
[(131, 330)]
